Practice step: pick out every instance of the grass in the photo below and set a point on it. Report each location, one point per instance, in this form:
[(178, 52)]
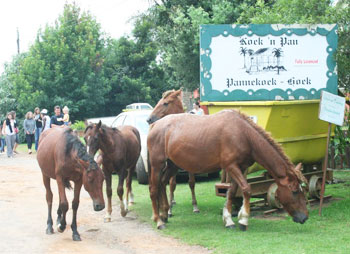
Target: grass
[(327, 234)]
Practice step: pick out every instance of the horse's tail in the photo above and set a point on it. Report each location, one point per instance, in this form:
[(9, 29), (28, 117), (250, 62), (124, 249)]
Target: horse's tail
[(137, 134), (67, 184)]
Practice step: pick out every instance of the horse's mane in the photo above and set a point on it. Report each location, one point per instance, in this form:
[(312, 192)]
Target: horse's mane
[(73, 143), (269, 139)]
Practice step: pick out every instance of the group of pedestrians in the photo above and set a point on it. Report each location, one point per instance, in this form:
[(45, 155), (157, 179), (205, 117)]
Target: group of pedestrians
[(33, 125)]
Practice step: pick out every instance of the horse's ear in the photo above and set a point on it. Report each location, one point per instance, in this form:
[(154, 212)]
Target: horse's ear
[(86, 129), (299, 167), (99, 124), (177, 93), (85, 164)]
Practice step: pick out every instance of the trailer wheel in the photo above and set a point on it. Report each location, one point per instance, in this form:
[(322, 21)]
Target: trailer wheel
[(315, 184), (272, 198)]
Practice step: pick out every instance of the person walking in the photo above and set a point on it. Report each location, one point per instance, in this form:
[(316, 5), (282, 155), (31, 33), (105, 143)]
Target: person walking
[(46, 120), (8, 129), (29, 130), (38, 126), (2, 139), (13, 113)]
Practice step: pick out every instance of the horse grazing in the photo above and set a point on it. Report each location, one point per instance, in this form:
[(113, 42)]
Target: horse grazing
[(121, 149), (227, 140), (171, 103), (63, 157)]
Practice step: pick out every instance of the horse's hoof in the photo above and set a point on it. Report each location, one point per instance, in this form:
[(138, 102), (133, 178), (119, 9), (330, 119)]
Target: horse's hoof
[(173, 202), (49, 231), (165, 220), (131, 203), (123, 213), (162, 226), (106, 220), (76, 237), (231, 226), (170, 215), (243, 227), (60, 228), (196, 210)]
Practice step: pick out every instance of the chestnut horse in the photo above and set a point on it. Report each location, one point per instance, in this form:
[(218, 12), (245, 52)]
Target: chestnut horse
[(63, 157), (227, 140), (121, 149), (171, 103)]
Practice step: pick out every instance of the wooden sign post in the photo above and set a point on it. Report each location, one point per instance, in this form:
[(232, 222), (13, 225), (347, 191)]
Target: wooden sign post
[(331, 110)]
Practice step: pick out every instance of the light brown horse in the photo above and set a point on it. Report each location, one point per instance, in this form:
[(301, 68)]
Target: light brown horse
[(121, 150), (171, 103), (227, 140), (63, 157)]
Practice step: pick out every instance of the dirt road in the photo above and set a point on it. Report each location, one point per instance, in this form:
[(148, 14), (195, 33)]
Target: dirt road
[(23, 214)]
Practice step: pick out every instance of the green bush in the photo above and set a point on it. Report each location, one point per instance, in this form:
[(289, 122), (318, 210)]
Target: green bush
[(78, 125)]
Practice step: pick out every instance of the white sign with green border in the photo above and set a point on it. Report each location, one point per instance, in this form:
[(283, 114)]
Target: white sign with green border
[(332, 108), (267, 62)]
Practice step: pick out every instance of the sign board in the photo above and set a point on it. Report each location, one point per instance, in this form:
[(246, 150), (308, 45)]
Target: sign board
[(332, 108), (267, 62)]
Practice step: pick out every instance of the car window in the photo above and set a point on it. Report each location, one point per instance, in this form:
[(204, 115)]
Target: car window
[(141, 124), (119, 121), (145, 107), (128, 120)]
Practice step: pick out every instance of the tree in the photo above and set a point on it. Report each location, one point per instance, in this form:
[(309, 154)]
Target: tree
[(243, 51), (63, 67), (176, 32), (277, 52)]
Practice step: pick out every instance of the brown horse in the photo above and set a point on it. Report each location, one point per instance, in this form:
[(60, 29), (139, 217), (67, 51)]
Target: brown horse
[(63, 157), (227, 140), (171, 103), (121, 150)]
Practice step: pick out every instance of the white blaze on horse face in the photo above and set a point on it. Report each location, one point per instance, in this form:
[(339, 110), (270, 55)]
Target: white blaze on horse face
[(227, 217), (243, 215), (87, 146)]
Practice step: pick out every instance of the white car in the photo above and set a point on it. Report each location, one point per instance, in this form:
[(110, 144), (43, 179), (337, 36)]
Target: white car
[(137, 118), (138, 106)]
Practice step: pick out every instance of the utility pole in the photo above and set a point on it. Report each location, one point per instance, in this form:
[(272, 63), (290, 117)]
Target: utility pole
[(18, 51)]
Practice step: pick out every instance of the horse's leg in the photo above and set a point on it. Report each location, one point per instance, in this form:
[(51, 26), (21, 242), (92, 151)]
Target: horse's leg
[(227, 211), (191, 183), (169, 172), (223, 176), (120, 191), (63, 204), (46, 180), (59, 214), (154, 191), (75, 205), (129, 195), (172, 187), (108, 177), (243, 215)]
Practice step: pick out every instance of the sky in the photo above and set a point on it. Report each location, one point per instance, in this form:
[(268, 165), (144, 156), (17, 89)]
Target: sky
[(31, 15)]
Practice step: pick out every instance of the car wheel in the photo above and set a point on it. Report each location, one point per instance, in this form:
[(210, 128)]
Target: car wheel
[(142, 176)]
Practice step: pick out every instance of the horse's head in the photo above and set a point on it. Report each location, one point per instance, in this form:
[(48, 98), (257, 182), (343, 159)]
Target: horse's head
[(170, 103), (91, 137), (292, 196), (93, 181)]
